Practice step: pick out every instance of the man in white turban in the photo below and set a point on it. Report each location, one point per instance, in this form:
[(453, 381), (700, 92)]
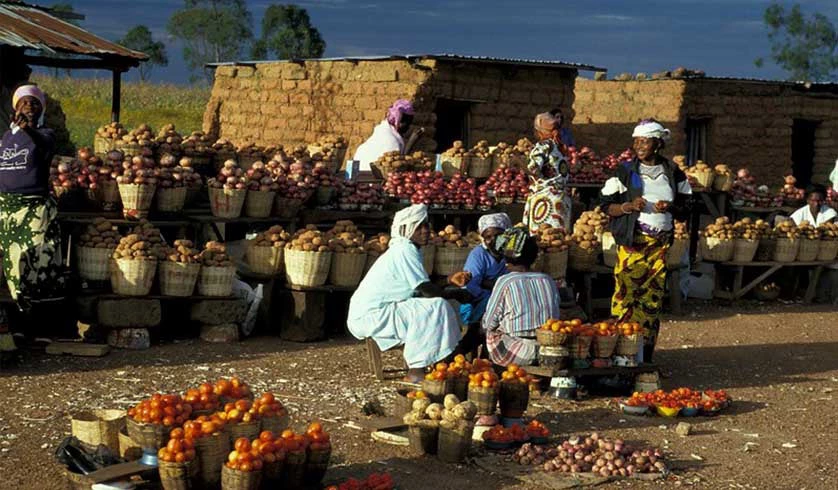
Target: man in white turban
[(396, 303)]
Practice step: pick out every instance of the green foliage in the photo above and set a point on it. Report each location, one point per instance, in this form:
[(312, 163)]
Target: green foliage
[(139, 39), (211, 31), (807, 48), (287, 33), (87, 105)]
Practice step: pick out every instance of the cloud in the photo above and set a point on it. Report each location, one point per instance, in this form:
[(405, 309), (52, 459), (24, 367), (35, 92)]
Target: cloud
[(612, 18)]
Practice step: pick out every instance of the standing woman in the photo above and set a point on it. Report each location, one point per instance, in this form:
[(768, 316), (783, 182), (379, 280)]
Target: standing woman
[(548, 202), (29, 233), (641, 200)]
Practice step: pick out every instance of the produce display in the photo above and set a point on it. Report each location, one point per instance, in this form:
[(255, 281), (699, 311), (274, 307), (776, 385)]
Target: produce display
[(483, 379), (143, 243), (792, 196), (592, 222), (680, 401), (394, 161), (345, 238), (168, 140), (168, 410), (375, 481), (215, 255), (567, 327), (258, 178), (503, 436), (507, 155), (516, 374), (139, 169), (100, 234), (458, 416), (179, 449), (233, 388), (480, 150), (111, 131), (551, 239), (173, 173), (202, 426), (223, 145), (604, 457), (141, 135), (240, 411), (808, 231), (267, 406), (700, 175), (293, 176), (364, 196), (506, 185), (229, 177), (748, 229), (183, 252), (203, 397), (197, 143), (721, 229), (450, 237), (309, 239), (828, 231), (243, 457), (787, 229), (275, 236), (587, 168), (268, 446), (432, 189)]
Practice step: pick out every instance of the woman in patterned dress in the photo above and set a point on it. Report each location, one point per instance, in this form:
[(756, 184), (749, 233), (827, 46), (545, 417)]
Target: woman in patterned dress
[(548, 202)]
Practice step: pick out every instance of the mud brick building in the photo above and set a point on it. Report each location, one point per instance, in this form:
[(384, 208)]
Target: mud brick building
[(770, 126), (455, 97)]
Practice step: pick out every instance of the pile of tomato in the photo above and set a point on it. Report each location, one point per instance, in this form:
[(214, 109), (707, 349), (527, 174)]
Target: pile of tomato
[(708, 400), (504, 435), (376, 481)]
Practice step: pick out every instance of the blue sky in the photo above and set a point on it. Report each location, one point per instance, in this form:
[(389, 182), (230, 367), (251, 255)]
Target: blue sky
[(722, 37)]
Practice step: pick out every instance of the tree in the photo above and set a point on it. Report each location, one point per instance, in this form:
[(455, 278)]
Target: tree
[(139, 39), (212, 31), (807, 48), (63, 8), (287, 33)]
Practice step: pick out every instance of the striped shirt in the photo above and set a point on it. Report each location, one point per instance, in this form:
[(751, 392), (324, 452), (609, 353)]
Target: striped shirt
[(520, 303)]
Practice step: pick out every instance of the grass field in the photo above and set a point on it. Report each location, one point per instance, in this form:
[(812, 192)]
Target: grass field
[(87, 105)]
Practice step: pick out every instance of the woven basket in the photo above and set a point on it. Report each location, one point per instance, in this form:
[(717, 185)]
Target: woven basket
[(369, 262), (130, 277), (555, 263), (744, 250), (479, 168), (347, 269), (609, 249), (580, 259), (136, 199), (603, 345), (227, 203), (317, 463), (240, 480), (265, 260), (715, 250), (177, 278), (428, 258), (210, 454), (453, 447), (449, 260), (96, 427), (177, 476), (171, 199), (486, 399), (216, 281), (452, 165), (703, 179), (675, 252), (276, 424), (129, 450), (786, 250), (580, 346), (128, 149), (437, 389), (513, 398), (148, 436), (93, 263), (765, 250), (423, 439), (828, 250), (259, 204), (108, 195), (294, 472), (550, 338), (538, 264), (249, 430), (809, 250), (723, 183), (222, 156), (202, 163), (310, 269), (101, 146), (509, 161), (628, 345)]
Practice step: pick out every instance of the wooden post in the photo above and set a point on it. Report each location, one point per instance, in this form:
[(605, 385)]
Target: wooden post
[(115, 95)]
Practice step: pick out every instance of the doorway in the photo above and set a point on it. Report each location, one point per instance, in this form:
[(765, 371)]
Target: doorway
[(698, 131), (803, 150), (452, 123)]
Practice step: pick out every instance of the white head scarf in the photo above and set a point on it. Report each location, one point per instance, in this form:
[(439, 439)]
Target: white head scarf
[(31, 91), (497, 220), (833, 177), (650, 129), (407, 220), (545, 122)]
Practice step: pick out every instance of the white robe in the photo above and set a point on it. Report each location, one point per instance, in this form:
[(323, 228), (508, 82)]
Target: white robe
[(384, 138), (825, 214)]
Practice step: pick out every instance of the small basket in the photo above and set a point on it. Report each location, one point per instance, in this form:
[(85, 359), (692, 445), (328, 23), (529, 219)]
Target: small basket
[(93, 263), (265, 260), (604, 345), (452, 446), (249, 430), (210, 454), (96, 427), (581, 259), (715, 250), (809, 250), (580, 346), (628, 345), (294, 471), (675, 252), (449, 260), (786, 250), (436, 389), (744, 250), (609, 249), (459, 387), (765, 250), (177, 476), (317, 463), (227, 203), (170, 199), (555, 264), (286, 208), (108, 195), (723, 182), (276, 424), (309, 269), (136, 199), (259, 204), (216, 281), (424, 439), (513, 398), (148, 436), (828, 250), (347, 269), (479, 168), (177, 278), (428, 258), (452, 165), (132, 277), (550, 338), (240, 480), (703, 179), (485, 399)]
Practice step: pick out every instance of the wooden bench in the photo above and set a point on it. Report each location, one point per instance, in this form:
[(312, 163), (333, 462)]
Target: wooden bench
[(738, 290), (374, 355)]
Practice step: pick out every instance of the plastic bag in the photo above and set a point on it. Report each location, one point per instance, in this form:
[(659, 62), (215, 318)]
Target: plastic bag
[(253, 297)]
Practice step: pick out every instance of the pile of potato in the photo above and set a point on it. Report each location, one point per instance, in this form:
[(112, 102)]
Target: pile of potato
[(721, 229), (748, 229), (168, 140), (595, 219), (143, 243), (377, 245), (507, 151), (111, 131), (395, 161), (808, 231), (787, 229), (332, 145), (309, 239), (345, 238), (550, 239), (99, 234), (215, 255), (230, 177), (829, 231), (473, 239), (141, 135), (258, 178), (197, 143), (458, 149), (138, 169), (680, 231), (275, 236), (183, 252), (450, 237), (480, 150)]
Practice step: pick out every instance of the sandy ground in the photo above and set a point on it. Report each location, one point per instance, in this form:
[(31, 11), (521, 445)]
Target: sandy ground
[(780, 363)]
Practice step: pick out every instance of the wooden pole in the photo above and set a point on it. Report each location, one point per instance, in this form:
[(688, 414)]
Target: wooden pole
[(115, 95)]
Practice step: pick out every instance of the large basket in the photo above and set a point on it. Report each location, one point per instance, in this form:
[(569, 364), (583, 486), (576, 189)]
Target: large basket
[(308, 269), (453, 447), (93, 263), (259, 204), (178, 278), (765, 250), (428, 258), (550, 338), (452, 165), (580, 346), (108, 195), (603, 346), (580, 259), (276, 424), (294, 472), (240, 480), (609, 249), (248, 430), (347, 269), (513, 398), (423, 439), (449, 260), (555, 264), (286, 208), (136, 199), (96, 427), (265, 260), (786, 250), (628, 345), (744, 250), (178, 476), (216, 281), (828, 250), (675, 252), (479, 168), (723, 182), (227, 203), (131, 277), (101, 146), (809, 250), (211, 453), (437, 389), (716, 250), (148, 436), (222, 156), (170, 199), (317, 463), (486, 399), (703, 179)]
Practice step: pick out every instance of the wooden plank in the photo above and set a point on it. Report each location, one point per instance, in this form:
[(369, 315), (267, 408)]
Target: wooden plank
[(743, 291), (78, 349)]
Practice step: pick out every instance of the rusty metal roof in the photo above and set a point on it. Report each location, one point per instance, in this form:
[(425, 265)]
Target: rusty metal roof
[(31, 27)]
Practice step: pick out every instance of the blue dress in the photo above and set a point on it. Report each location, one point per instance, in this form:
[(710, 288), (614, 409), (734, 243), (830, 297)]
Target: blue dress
[(482, 266)]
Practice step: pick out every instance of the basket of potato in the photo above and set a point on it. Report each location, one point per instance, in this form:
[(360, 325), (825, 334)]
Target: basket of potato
[(716, 243), (137, 185), (480, 160), (265, 252), (394, 161), (511, 156), (584, 244), (217, 271), (95, 248), (810, 242), (135, 140), (261, 191), (701, 175), (679, 246), (106, 137), (308, 258), (746, 234), (179, 271), (829, 242), (134, 261), (375, 248), (554, 245), (451, 251), (332, 149), (455, 159), (723, 178), (787, 238), (348, 254), (227, 192)]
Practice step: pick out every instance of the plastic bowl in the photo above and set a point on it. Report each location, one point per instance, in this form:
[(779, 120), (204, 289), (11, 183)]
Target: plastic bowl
[(633, 410), (668, 412), (710, 413), (689, 411)]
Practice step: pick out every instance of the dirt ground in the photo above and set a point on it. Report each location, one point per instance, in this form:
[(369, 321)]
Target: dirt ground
[(779, 363)]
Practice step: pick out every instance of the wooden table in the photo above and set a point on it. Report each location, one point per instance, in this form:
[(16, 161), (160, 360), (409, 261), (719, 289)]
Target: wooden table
[(589, 303), (553, 372), (740, 290)]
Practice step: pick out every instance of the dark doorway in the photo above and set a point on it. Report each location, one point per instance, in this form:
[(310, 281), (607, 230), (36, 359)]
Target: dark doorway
[(803, 150), (698, 134), (452, 121)]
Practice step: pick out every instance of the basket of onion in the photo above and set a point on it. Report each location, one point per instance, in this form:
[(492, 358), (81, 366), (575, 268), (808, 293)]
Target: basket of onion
[(137, 184), (251, 153), (261, 191), (223, 150), (171, 185), (227, 191), (198, 147)]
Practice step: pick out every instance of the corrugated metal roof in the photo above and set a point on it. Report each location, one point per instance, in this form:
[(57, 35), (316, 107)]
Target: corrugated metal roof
[(441, 57), (31, 27), (767, 81)]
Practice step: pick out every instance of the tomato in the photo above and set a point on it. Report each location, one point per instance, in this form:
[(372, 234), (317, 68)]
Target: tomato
[(267, 398), (246, 466), (242, 444), (288, 434), (314, 427), (257, 464)]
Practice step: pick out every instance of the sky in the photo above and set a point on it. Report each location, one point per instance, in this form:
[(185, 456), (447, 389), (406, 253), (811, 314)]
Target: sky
[(721, 37)]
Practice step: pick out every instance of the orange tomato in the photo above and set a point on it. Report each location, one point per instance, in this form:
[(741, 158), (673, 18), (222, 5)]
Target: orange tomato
[(242, 444)]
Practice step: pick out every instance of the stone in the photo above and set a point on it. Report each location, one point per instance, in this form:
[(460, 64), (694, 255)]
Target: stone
[(219, 312), (127, 313), (683, 429), (226, 333), (130, 338)]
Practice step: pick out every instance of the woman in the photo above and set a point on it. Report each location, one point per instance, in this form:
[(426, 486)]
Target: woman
[(29, 233), (565, 134), (484, 266), (547, 203), (519, 304), (641, 199), (388, 135), (397, 304), (815, 211)]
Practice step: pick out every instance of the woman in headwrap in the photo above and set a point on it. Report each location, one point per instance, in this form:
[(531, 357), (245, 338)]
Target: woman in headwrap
[(396, 303), (520, 302), (548, 202), (29, 234), (388, 135), (484, 266), (641, 199)]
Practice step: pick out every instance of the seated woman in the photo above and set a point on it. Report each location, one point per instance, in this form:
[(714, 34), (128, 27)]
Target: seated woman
[(815, 211), (519, 304), (397, 304), (484, 265)]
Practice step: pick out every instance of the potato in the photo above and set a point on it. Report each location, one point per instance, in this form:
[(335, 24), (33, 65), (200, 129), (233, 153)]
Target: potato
[(450, 401)]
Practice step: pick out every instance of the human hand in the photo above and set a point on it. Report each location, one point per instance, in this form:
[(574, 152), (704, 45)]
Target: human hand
[(662, 206), (459, 279), (21, 120), (638, 204)]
